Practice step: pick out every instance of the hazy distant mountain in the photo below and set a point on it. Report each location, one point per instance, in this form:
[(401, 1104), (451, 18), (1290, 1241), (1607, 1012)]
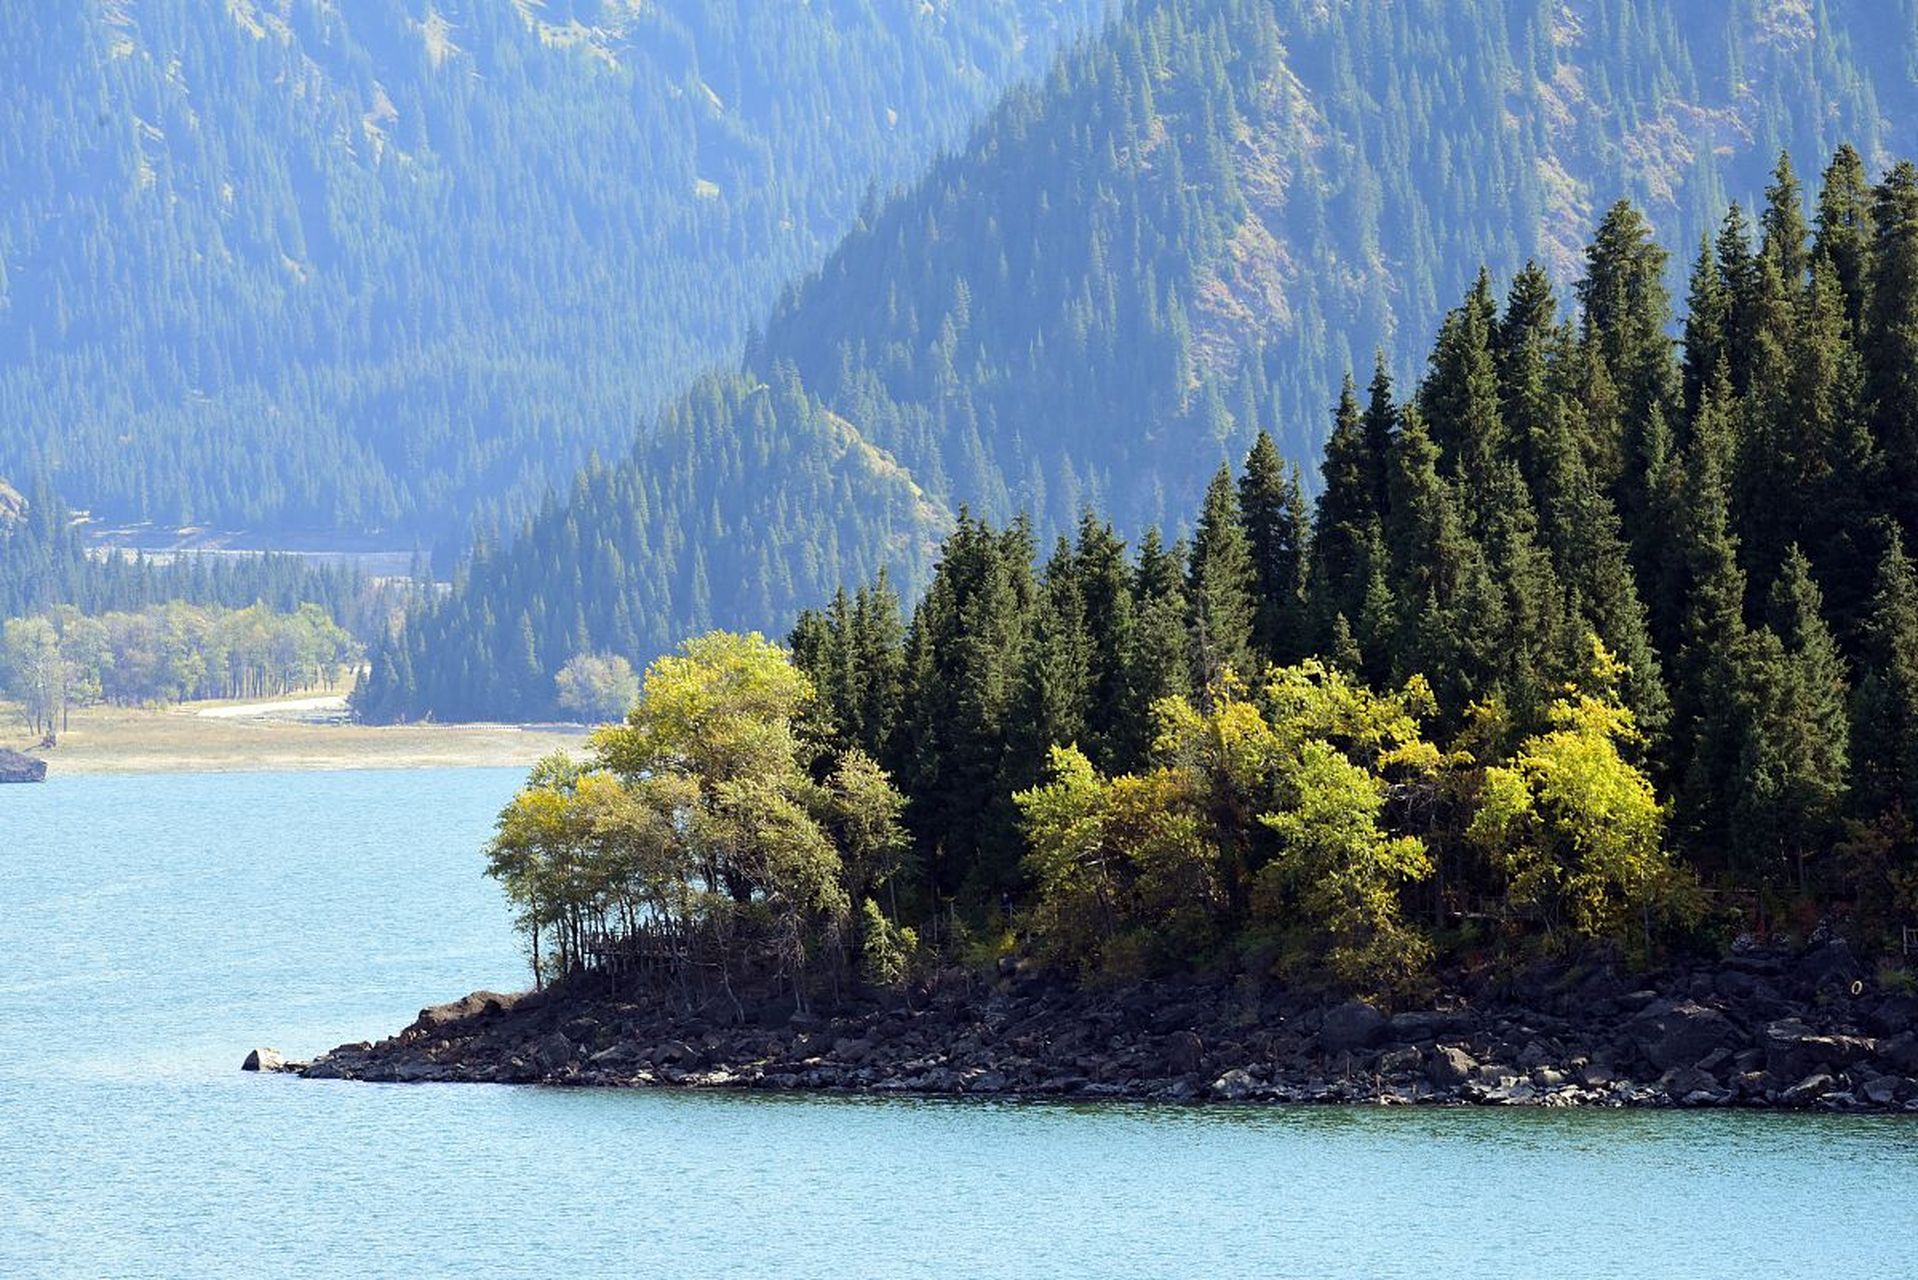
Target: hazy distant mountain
[(296, 264), (1192, 229)]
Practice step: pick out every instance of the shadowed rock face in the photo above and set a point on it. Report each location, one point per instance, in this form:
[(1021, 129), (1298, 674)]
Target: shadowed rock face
[(1565, 1036), (15, 767)]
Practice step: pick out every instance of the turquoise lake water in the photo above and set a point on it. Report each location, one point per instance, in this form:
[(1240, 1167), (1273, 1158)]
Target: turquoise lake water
[(153, 929)]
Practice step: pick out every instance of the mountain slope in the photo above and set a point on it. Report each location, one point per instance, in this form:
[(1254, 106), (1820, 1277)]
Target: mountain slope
[(1202, 219), (1202, 222), (293, 265)]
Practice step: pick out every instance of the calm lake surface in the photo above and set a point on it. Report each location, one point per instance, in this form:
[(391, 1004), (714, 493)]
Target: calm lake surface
[(153, 929)]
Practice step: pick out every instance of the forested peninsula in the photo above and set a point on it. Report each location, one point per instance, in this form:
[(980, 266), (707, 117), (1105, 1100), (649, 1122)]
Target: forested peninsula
[(1563, 749)]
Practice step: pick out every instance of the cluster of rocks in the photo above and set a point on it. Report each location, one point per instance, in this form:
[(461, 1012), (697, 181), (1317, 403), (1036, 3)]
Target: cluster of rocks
[(1762, 1029)]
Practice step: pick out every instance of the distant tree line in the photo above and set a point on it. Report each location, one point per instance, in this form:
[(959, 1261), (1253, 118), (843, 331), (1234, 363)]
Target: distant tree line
[(45, 561), (54, 662)]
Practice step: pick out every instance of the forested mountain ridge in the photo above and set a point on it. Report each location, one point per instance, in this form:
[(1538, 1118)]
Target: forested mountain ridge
[(287, 264), (1201, 222), (1195, 227)]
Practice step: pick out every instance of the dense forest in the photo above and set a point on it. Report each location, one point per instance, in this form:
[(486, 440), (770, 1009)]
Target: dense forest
[(291, 265), (1184, 235), (45, 561), (1589, 638)]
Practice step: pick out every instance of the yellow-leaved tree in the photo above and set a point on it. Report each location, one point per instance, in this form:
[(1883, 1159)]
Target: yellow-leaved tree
[(698, 828), (1576, 828)]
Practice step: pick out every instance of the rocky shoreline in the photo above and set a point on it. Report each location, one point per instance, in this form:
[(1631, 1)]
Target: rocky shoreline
[(1760, 1029)]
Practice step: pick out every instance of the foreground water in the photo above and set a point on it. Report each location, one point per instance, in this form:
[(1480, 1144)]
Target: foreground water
[(153, 929)]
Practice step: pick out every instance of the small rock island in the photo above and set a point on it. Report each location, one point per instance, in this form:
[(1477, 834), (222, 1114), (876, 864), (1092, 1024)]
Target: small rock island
[(702, 904), (15, 767)]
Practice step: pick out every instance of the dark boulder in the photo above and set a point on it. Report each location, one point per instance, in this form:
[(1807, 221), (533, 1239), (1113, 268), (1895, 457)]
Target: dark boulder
[(1794, 1051), (1689, 1085), (1680, 1033), (1184, 1052), (555, 1052), (1351, 1026), (1427, 1024), (479, 1004), (1832, 965), (1895, 1013), (15, 767), (1901, 1051), (1807, 1091)]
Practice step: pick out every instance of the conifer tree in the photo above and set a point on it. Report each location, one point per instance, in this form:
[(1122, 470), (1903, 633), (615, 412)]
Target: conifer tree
[(1158, 663), (1890, 337), (1713, 638), (1376, 428), (1885, 707), (1783, 223), (1446, 607), (1110, 618), (1345, 544), (1792, 776), (1274, 514), (1219, 584), (1707, 325), (1627, 310), (1845, 229)]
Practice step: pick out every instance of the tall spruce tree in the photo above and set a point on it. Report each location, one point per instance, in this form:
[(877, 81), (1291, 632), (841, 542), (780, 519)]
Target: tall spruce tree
[(1890, 337), (1792, 775), (1885, 707), (1274, 514), (1783, 224), (1219, 587), (1845, 228)]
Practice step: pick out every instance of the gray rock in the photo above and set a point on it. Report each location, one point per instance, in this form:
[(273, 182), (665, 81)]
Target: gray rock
[(15, 767), (434, 1017), (1807, 1091), (1794, 1051), (1895, 1014), (1451, 1066), (850, 1050), (264, 1060), (1901, 1052), (1830, 965), (1426, 1024), (1351, 1026), (1679, 1033), (1682, 1083), (1880, 1091), (555, 1052), (1184, 1052), (1398, 1061), (1235, 1085), (1534, 1055), (618, 1055), (674, 1051)]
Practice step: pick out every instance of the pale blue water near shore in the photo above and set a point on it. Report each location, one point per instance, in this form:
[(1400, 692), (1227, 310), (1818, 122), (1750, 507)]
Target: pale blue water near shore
[(153, 929)]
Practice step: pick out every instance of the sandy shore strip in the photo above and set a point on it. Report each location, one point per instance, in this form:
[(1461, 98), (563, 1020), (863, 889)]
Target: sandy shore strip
[(289, 733)]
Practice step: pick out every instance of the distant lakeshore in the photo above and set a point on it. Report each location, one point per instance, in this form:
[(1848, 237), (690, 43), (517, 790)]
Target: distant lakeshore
[(297, 733)]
